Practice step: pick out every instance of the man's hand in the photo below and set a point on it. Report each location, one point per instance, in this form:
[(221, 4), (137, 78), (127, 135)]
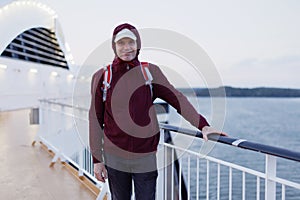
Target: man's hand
[(100, 172), (206, 130)]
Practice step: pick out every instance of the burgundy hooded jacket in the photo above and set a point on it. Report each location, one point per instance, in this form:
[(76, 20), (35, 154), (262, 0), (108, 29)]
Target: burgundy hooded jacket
[(126, 123)]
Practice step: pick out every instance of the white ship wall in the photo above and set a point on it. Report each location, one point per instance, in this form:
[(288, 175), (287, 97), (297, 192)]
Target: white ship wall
[(23, 83)]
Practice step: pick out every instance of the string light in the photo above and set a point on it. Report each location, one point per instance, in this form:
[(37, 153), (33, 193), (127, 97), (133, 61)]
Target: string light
[(70, 76), (32, 70), (29, 3), (3, 66), (55, 74)]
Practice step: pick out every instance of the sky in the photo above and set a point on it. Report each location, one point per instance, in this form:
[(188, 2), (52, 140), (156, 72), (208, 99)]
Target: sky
[(252, 43)]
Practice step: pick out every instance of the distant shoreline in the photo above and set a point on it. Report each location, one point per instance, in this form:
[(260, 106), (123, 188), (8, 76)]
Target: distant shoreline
[(242, 92)]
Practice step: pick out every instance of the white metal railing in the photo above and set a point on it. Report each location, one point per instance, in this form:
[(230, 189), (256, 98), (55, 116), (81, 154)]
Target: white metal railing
[(64, 130), (267, 191), (59, 132)]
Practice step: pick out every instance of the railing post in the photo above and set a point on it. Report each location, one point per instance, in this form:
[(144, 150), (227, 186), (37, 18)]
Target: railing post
[(270, 186), (80, 163), (81, 150)]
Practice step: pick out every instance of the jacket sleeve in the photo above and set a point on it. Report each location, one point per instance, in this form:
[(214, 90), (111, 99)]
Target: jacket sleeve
[(163, 89), (96, 113)]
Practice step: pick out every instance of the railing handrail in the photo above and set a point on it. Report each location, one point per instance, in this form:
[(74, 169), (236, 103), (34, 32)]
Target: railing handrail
[(52, 101), (241, 143)]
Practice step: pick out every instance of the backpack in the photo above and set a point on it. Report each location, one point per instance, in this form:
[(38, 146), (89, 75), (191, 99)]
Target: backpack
[(144, 66)]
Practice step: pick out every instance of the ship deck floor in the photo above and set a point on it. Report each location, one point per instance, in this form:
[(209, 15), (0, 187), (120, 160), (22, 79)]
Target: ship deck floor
[(24, 169)]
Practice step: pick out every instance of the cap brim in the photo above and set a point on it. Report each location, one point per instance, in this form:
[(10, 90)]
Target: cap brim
[(125, 33)]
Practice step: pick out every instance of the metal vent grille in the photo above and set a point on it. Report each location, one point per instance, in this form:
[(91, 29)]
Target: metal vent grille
[(37, 45)]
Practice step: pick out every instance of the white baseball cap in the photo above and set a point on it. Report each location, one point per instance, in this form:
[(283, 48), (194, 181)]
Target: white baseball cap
[(125, 33)]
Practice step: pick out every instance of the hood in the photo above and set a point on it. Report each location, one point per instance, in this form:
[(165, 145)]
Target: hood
[(135, 61)]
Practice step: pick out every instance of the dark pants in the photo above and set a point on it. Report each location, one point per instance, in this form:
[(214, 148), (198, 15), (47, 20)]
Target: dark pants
[(122, 173), (120, 184)]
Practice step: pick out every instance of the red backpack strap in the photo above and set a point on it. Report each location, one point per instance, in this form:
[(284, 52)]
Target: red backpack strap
[(106, 80), (147, 75)]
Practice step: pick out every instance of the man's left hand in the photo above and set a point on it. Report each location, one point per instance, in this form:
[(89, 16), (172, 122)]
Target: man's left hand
[(206, 130)]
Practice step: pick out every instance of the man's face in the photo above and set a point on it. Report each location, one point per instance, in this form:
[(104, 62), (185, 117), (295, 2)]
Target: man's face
[(126, 49)]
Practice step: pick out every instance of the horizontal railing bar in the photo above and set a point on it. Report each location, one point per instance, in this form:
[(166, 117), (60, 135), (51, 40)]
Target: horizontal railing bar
[(85, 173), (266, 149), (63, 104), (285, 182), (66, 114)]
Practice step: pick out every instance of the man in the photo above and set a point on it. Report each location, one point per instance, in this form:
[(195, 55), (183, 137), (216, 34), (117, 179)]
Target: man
[(124, 130)]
